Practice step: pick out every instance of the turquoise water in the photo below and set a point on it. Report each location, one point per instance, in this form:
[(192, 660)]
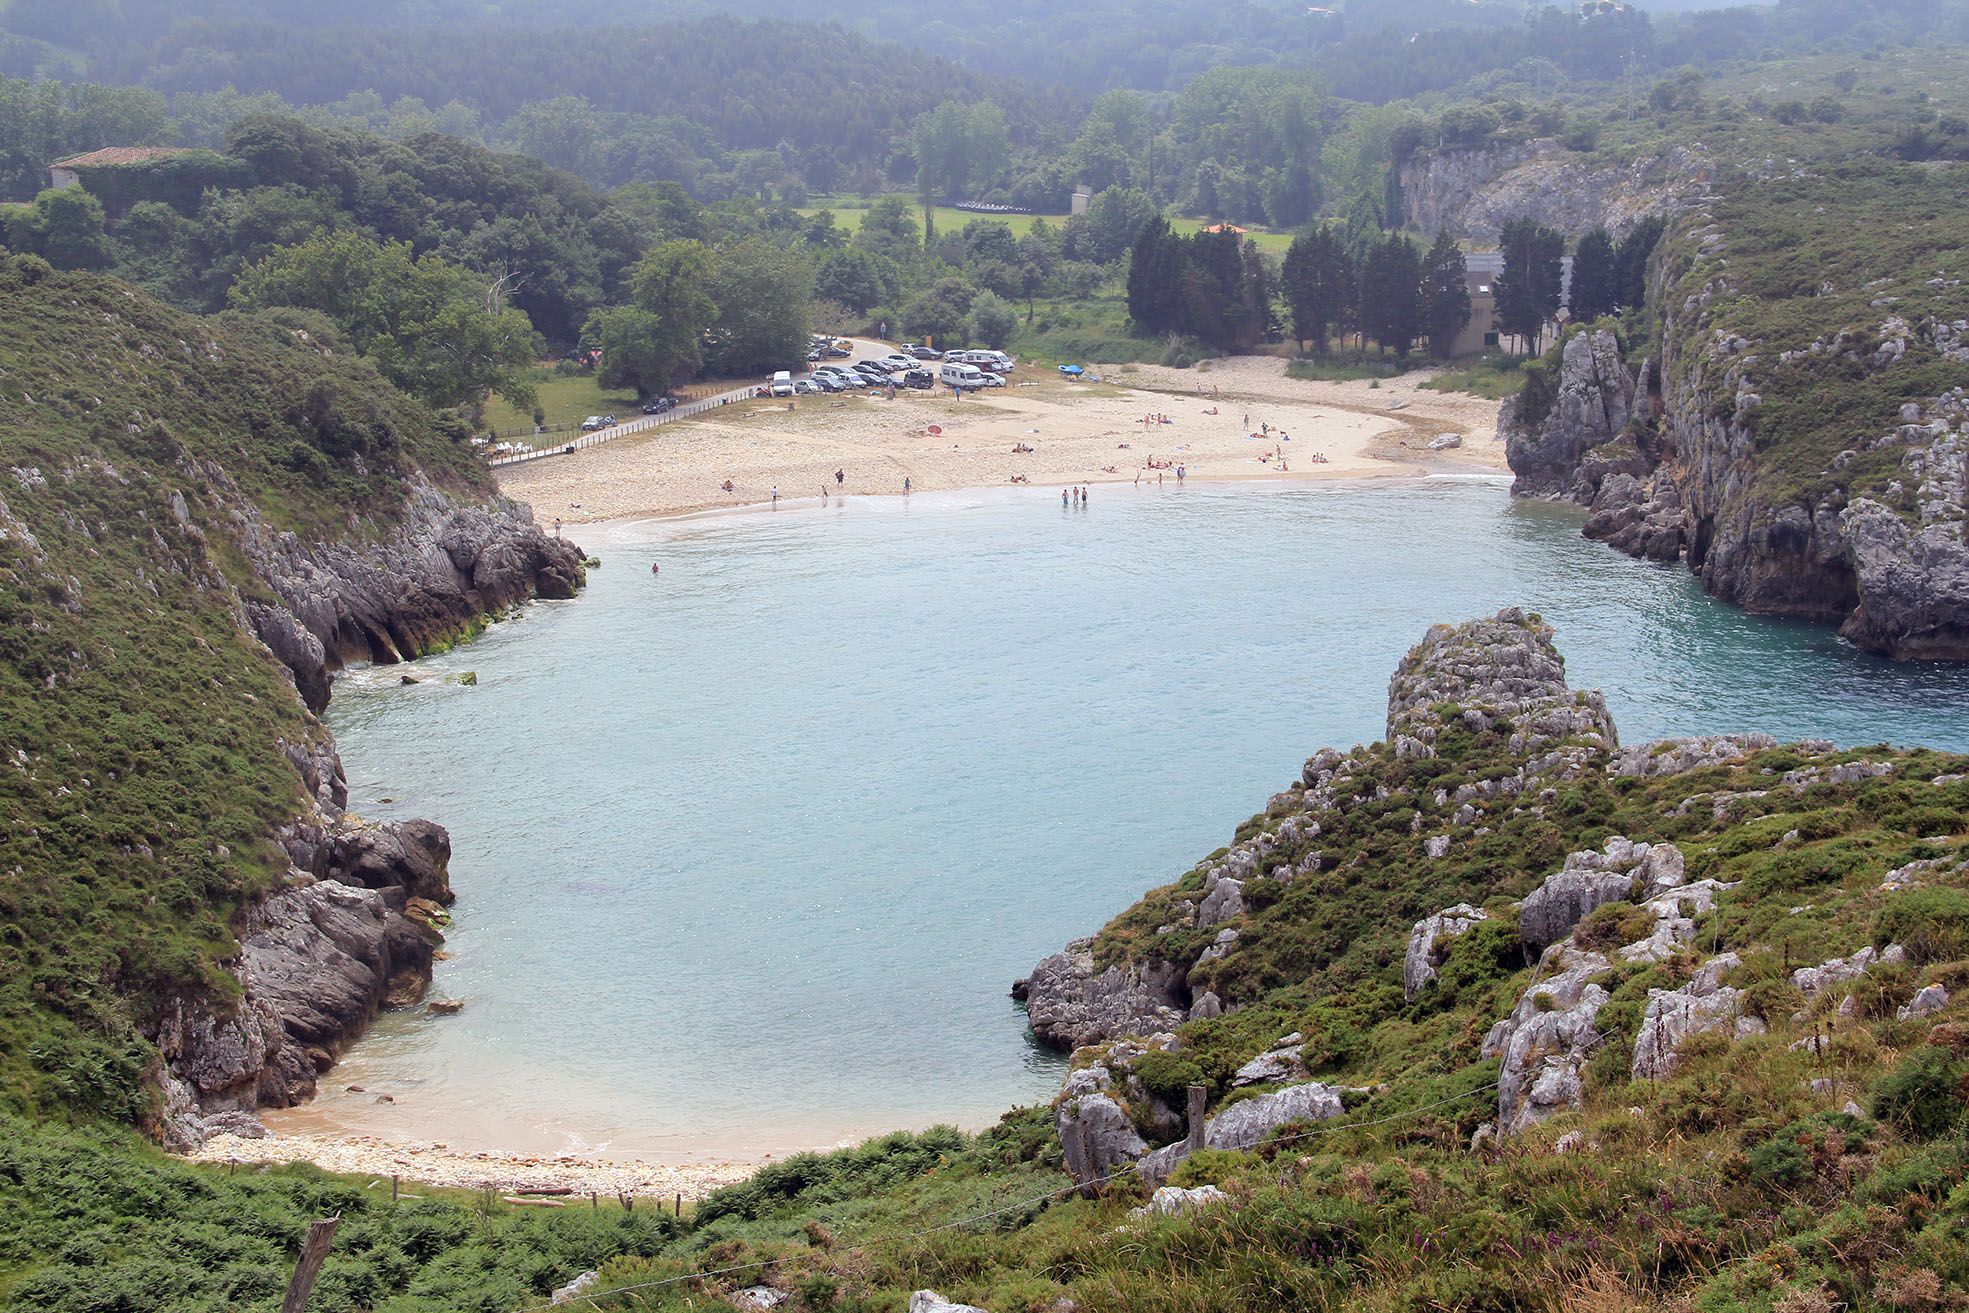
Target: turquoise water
[(748, 854)]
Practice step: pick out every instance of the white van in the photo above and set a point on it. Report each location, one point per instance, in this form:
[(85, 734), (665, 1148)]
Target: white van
[(995, 361), (783, 383), (956, 374)]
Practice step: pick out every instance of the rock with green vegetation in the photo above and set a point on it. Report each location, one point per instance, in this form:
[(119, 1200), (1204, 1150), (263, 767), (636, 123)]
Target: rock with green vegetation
[(1800, 434), (202, 520)]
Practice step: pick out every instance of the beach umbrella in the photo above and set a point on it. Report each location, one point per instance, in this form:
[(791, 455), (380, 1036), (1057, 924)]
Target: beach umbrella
[(1072, 371)]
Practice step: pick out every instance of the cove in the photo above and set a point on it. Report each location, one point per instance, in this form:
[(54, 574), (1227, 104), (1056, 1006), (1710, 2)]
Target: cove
[(748, 853)]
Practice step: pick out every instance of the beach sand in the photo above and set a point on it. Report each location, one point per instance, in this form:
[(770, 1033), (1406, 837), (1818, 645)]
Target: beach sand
[(1081, 433)]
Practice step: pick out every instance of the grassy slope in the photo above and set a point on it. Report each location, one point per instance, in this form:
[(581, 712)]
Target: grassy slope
[(139, 801)]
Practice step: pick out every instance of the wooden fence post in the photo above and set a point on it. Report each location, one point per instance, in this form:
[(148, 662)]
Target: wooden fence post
[(1199, 1095), (314, 1252)]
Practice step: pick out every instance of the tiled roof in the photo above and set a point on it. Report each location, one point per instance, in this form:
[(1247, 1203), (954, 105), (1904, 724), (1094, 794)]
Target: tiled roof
[(113, 155)]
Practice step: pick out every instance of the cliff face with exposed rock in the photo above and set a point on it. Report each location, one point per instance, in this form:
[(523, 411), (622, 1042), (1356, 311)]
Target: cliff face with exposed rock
[(1473, 193), (1801, 448), (202, 521)]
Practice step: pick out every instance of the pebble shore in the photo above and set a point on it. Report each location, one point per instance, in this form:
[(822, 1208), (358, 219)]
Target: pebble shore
[(436, 1164)]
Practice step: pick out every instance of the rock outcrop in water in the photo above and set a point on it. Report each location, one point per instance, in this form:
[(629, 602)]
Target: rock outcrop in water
[(1753, 457)]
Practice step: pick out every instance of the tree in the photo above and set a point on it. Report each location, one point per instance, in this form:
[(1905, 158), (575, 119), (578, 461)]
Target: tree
[(672, 285), (1039, 261), (993, 320), (1113, 220), (432, 328), (854, 276), (630, 339), (1155, 277), (764, 292), (940, 311), (889, 229), (1318, 285), (1595, 287), (1391, 293), (63, 227), (1631, 260), (959, 149), (1529, 285), (1445, 294)]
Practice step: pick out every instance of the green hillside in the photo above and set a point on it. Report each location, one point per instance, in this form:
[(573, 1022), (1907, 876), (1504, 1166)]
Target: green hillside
[(140, 724)]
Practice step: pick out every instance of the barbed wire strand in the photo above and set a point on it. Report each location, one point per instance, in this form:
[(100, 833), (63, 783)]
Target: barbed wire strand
[(974, 1218)]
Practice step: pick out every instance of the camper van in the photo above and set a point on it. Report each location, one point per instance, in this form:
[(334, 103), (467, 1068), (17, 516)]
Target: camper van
[(783, 383), (954, 374)]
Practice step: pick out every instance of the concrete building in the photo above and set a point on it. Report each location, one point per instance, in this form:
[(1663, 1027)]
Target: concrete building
[(1083, 195)]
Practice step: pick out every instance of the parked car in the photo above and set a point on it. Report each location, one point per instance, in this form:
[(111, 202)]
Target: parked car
[(782, 384), (896, 360), (920, 379), (924, 352), (816, 355), (659, 405), (806, 387), (992, 380), (592, 423)]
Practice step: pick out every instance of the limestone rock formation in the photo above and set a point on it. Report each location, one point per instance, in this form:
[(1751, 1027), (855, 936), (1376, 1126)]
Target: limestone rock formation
[(1245, 1124), (1588, 880), (1675, 1015), (1173, 1201), (1840, 970), (1279, 1063), (1070, 1003), (1426, 952), (449, 563), (339, 940), (1491, 670), (1474, 192), (1095, 1131), (929, 1301), (1674, 756), (1594, 400), (1547, 1040), (1929, 999)]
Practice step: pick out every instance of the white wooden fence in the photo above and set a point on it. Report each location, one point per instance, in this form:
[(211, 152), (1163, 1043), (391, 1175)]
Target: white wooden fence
[(641, 424)]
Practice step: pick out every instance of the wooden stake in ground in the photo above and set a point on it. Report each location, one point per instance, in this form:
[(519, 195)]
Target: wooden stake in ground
[(314, 1252)]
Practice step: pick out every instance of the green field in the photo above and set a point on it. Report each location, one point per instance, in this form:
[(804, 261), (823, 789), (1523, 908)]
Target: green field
[(848, 212), (565, 398)]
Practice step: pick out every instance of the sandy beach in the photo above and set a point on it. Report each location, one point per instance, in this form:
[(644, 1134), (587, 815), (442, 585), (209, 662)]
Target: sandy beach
[(1241, 418)]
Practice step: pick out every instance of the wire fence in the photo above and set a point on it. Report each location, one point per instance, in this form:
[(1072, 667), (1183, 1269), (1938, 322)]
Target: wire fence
[(641, 424)]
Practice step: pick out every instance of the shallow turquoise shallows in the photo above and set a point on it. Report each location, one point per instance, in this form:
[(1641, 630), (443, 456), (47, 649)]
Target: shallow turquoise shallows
[(748, 853)]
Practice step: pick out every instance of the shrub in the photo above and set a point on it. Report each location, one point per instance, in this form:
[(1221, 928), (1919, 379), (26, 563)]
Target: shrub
[(1932, 924), (1922, 1096), (1167, 1076)]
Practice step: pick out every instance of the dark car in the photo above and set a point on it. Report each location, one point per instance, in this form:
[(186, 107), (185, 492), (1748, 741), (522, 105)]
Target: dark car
[(921, 379), (923, 352)]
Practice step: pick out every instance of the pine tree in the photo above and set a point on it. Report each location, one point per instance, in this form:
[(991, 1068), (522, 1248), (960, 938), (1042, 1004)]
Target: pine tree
[(1631, 260), (1595, 291), (1529, 286), (1445, 294), (1155, 277), (1391, 293), (1318, 286)]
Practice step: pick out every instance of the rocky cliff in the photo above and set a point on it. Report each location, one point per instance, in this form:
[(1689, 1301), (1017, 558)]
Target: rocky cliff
[(1473, 193), (203, 520), (1799, 440)]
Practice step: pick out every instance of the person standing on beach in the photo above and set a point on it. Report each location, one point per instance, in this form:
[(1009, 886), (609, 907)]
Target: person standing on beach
[(1065, 498), (775, 496), (1181, 474), (905, 485), (838, 476)]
